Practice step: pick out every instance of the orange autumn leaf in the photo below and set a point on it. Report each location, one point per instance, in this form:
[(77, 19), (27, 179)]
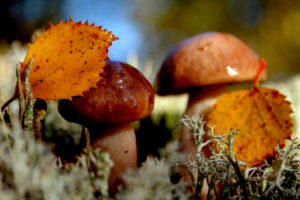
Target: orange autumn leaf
[(67, 59), (261, 116)]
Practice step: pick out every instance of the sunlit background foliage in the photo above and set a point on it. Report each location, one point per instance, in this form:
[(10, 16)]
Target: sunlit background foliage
[(150, 28)]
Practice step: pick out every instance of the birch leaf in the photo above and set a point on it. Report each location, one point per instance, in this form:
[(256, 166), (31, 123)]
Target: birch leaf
[(261, 116), (68, 59)]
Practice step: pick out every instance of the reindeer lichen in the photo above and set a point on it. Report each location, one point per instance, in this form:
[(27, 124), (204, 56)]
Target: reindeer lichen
[(29, 170), (279, 180), (152, 181)]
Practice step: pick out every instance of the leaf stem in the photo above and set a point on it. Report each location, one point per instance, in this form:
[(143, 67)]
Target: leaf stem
[(259, 73)]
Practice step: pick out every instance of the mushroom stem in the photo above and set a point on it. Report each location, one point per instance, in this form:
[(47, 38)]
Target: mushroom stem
[(120, 142), (200, 102)]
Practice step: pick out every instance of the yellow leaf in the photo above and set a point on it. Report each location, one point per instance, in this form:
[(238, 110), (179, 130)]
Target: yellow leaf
[(67, 59), (261, 116)]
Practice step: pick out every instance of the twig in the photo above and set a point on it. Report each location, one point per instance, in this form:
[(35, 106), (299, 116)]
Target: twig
[(10, 116), (21, 95), (5, 130), (87, 144), (240, 176), (40, 108), (87, 137), (2, 119), (29, 101)]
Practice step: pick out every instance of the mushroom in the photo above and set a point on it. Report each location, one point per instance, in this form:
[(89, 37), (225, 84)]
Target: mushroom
[(123, 95), (204, 65)]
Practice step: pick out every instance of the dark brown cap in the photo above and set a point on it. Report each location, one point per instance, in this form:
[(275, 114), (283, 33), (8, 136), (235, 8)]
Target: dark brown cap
[(122, 95), (206, 59)]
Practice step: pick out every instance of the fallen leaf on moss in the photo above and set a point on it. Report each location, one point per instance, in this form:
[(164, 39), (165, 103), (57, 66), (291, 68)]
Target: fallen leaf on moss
[(67, 59), (261, 116)]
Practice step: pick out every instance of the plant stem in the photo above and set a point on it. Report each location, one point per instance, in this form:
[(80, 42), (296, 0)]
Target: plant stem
[(240, 176), (87, 137), (29, 101), (21, 95), (2, 119), (11, 118), (87, 144), (40, 108)]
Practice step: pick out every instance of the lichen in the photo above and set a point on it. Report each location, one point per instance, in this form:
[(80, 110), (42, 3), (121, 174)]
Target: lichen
[(152, 181), (29, 170), (277, 180)]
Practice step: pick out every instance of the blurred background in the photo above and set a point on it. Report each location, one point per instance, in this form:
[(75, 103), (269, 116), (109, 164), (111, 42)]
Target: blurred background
[(148, 29)]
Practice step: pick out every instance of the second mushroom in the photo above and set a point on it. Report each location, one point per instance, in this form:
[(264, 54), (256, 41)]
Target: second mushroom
[(203, 66)]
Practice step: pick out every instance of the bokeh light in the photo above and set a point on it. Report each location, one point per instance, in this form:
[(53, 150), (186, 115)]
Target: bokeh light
[(115, 16)]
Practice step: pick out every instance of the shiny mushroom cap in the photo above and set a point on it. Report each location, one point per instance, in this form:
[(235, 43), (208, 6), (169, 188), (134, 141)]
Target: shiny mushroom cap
[(122, 95), (206, 59)]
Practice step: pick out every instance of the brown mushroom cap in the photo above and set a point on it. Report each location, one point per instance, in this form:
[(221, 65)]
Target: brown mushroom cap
[(122, 95), (205, 59)]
